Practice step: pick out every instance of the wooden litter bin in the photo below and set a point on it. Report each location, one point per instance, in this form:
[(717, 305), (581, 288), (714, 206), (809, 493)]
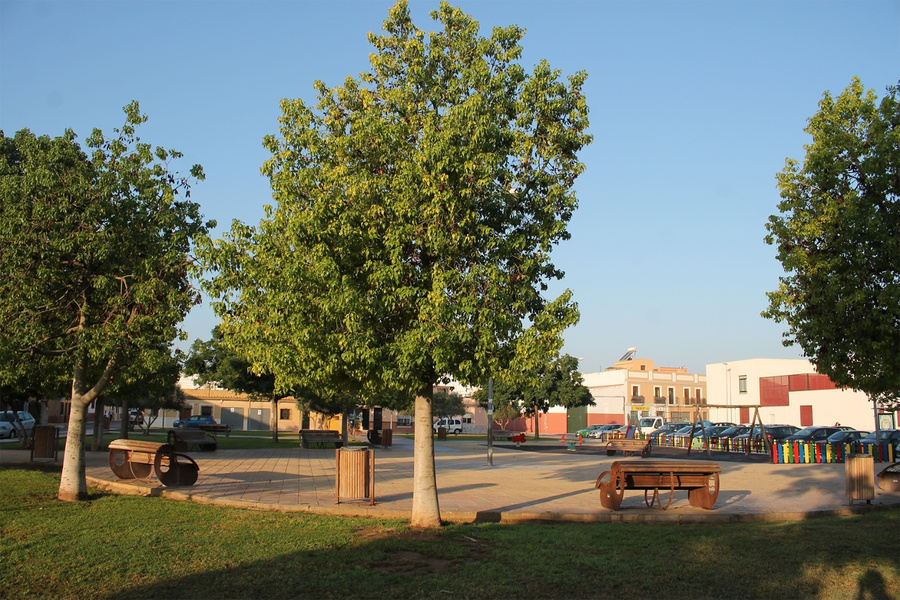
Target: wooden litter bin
[(45, 442), (860, 477), (387, 436), (354, 475)]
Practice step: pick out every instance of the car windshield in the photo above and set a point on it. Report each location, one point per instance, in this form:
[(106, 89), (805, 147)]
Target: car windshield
[(733, 431), (805, 433)]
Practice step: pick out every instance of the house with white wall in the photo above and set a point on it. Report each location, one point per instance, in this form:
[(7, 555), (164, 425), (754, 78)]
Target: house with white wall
[(786, 391)]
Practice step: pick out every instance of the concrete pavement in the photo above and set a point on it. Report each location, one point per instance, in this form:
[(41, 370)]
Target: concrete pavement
[(539, 481)]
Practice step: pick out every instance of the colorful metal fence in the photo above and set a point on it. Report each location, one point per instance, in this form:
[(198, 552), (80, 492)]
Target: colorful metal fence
[(823, 452), (789, 452)]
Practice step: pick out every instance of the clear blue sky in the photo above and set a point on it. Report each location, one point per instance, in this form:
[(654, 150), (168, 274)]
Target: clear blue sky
[(694, 108)]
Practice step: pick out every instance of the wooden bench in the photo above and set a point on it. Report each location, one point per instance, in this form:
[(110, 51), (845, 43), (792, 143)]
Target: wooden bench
[(628, 446), (134, 459), (700, 478), (217, 428), (320, 437), (184, 439)]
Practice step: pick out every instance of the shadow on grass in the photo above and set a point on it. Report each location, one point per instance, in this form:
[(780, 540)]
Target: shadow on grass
[(571, 560)]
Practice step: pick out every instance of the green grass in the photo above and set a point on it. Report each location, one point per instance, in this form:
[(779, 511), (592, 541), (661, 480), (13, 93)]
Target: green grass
[(134, 547)]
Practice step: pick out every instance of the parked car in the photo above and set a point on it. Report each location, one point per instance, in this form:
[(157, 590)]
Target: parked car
[(847, 436), (454, 426), (8, 426), (587, 430), (730, 432), (135, 417), (775, 433), (194, 422), (812, 434), (666, 429), (647, 424), (885, 436), (604, 429)]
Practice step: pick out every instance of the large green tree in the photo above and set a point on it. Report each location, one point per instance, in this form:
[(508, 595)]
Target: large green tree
[(214, 361), (838, 238), (94, 263), (417, 206), (537, 390)]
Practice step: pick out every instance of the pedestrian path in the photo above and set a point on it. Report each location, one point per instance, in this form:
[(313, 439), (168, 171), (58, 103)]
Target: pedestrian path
[(540, 481)]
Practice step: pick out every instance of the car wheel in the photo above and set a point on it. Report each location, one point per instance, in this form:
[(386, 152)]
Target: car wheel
[(13, 434)]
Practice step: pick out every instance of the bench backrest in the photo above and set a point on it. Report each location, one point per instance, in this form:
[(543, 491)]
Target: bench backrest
[(666, 466), (135, 445)]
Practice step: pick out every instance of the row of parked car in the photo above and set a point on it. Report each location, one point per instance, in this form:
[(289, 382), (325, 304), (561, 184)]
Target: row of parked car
[(670, 433), (836, 434)]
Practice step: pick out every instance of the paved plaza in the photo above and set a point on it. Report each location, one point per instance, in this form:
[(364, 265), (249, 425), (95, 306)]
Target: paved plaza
[(538, 481)]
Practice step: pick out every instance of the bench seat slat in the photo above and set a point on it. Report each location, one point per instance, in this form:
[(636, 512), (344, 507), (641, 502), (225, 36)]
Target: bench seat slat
[(664, 467)]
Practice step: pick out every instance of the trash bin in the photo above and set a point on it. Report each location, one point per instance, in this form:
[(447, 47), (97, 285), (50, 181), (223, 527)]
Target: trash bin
[(860, 477), (442, 433), (387, 437), (45, 442), (354, 474)]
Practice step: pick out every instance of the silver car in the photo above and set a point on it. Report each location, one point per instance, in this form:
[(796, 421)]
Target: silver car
[(8, 426)]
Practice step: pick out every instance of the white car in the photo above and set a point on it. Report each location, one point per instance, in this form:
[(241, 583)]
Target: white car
[(8, 427), (454, 426)]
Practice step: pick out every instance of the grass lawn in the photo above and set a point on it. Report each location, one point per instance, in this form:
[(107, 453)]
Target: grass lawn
[(134, 547)]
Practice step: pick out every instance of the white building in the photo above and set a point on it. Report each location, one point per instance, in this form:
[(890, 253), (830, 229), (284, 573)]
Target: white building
[(786, 391)]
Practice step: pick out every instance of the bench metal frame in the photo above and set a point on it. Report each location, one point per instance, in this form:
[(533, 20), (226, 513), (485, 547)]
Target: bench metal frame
[(700, 479), (132, 459)]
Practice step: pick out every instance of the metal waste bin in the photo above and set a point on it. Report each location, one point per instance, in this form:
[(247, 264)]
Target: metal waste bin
[(860, 477), (45, 442), (354, 475)]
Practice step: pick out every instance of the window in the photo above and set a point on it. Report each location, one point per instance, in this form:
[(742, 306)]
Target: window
[(467, 419), (806, 416), (742, 384), (404, 421), (671, 392), (206, 410), (284, 414), (635, 391)]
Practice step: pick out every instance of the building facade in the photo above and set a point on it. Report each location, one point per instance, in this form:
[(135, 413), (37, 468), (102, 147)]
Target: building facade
[(786, 391)]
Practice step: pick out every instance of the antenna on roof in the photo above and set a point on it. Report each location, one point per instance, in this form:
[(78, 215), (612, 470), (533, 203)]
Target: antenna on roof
[(628, 355)]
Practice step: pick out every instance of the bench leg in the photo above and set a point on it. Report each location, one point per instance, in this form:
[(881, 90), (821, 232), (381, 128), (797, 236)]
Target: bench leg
[(706, 496), (172, 473), (611, 492), (650, 500), (120, 463)]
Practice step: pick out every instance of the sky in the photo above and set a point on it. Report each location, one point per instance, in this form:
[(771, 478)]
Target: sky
[(694, 107)]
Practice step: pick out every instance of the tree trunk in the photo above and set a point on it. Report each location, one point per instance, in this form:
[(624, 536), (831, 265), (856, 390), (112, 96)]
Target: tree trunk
[(425, 509), (537, 425), (97, 438), (73, 480), (275, 417), (344, 433), (125, 423)]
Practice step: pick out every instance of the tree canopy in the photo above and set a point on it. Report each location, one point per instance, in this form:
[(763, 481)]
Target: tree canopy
[(94, 264), (554, 383), (838, 238), (416, 208)]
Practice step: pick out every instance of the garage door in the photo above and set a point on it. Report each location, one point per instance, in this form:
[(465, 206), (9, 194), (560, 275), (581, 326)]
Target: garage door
[(233, 417), (258, 419)]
